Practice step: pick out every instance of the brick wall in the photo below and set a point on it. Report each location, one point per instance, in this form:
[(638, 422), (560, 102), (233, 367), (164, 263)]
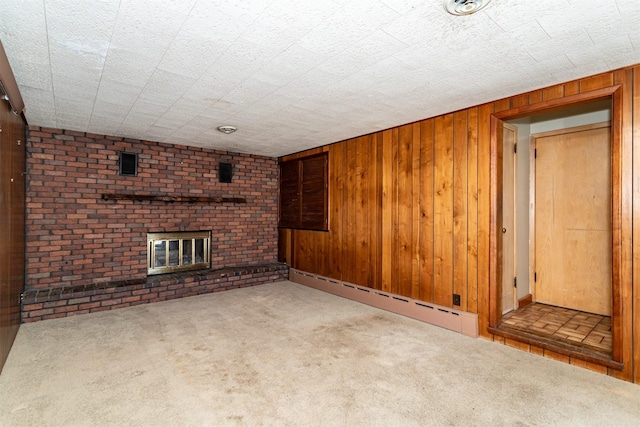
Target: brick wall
[(74, 238)]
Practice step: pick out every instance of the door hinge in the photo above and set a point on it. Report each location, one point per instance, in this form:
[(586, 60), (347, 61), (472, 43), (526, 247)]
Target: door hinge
[(515, 282), (535, 277), (515, 147), (535, 153)]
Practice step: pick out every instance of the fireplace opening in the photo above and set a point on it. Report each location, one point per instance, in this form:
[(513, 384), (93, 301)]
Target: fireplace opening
[(178, 251)]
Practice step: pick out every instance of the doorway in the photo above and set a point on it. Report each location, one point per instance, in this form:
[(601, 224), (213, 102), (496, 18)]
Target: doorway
[(565, 216)]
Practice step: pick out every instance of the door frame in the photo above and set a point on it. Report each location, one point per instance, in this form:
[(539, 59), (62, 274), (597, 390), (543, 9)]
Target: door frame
[(614, 93), (513, 158)]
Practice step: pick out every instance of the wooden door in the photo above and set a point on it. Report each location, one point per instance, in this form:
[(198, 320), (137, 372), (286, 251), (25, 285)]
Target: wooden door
[(573, 218), (509, 254)]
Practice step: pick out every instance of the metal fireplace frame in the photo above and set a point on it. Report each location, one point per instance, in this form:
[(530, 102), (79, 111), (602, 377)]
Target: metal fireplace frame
[(170, 239)]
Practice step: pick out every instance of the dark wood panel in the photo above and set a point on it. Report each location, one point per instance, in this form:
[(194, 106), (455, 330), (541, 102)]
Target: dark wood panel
[(17, 215), (337, 186), (351, 234), (359, 214), (375, 198), (405, 210), (427, 170), (395, 224), (12, 225), (460, 206), (5, 232), (472, 213), (387, 210), (289, 194), (443, 211), (415, 214)]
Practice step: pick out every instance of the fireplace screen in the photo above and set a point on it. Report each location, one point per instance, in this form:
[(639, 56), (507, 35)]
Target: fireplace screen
[(171, 252)]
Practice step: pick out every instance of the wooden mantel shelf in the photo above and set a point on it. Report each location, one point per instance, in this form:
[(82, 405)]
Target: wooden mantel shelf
[(172, 199)]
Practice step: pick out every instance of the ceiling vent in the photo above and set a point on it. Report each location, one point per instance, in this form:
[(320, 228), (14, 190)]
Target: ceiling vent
[(464, 7)]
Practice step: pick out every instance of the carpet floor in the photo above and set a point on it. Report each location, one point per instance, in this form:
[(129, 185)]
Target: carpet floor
[(285, 354)]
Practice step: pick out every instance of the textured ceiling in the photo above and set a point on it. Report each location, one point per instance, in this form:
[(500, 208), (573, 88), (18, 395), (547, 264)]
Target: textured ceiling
[(294, 74)]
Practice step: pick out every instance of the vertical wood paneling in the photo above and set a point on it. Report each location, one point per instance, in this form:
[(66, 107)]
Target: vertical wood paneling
[(415, 214), (405, 209), (350, 274), (360, 212), (395, 224), (443, 211), (636, 225), (387, 209), (375, 200), (472, 216), (427, 163), (303, 260), (484, 161), (337, 165), (460, 208)]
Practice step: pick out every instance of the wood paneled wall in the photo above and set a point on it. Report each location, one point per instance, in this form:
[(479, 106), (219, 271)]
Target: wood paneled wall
[(12, 225), (410, 209)]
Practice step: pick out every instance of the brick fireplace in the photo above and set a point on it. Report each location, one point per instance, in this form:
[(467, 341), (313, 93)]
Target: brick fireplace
[(81, 244)]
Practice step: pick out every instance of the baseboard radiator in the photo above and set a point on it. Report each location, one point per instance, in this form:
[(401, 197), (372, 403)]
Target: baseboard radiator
[(445, 317)]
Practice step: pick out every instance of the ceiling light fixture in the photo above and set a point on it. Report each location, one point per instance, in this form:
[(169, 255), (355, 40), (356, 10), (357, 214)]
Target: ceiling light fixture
[(227, 129), (464, 7)]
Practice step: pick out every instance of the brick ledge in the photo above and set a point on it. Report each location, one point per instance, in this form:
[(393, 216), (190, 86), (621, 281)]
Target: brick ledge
[(42, 304)]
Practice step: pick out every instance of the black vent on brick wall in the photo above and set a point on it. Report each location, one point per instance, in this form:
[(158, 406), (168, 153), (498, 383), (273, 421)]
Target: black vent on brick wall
[(225, 173), (128, 163)]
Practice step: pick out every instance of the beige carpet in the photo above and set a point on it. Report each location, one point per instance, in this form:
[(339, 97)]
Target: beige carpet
[(285, 354)]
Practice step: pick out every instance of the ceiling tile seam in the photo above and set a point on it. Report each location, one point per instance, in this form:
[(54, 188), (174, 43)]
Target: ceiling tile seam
[(104, 64), (617, 6), (186, 16), (589, 35), (543, 29)]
